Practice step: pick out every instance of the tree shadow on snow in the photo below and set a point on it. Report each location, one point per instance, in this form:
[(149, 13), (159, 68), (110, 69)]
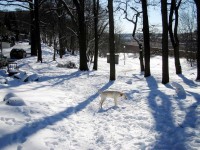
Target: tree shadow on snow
[(60, 79), (101, 110), (187, 81), (22, 134), (64, 77), (171, 135), (191, 118)]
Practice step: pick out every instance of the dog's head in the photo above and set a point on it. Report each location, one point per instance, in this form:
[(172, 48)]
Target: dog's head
[(123, 95)]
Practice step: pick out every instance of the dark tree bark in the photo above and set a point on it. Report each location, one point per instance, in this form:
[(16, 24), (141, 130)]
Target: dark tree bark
[(72, 41), (139, 44), (61, 23), (80, 5), (197, 2), (111, 40), (165, 51), (80, 25), (54, 52), (141, 57), (61, 42), (174, 35), (146, 39), (96, 11), (32, 28), (134, 20), (37, 31)]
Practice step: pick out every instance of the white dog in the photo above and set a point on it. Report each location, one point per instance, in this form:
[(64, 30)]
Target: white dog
[(111, 94)]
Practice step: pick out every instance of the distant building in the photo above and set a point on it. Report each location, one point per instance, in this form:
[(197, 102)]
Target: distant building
[(131, 47)]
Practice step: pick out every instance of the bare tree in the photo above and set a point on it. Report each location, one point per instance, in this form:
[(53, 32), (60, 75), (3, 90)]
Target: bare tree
[(197, 2), (146, 39), (187, 27), (165, 61), (80, 24), (111, 40), (28, 4), (124, 6), (174, 12), (49, 25), (61, 28), (80, 6), (32, 29), (96, 12), (37, 30)]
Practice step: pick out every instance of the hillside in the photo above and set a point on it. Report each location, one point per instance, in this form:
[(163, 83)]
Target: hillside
[(61, 111)]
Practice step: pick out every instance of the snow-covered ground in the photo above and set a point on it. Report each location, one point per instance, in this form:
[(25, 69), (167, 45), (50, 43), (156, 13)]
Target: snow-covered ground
[(61, 111)]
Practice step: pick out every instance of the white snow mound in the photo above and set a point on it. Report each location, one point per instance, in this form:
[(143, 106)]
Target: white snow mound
[(9, 95), (13, 100)]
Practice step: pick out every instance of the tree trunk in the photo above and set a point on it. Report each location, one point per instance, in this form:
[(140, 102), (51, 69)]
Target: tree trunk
[(81, 29), (138, 42), (111, 40), (198, 39), (82, 35), (37, 31), (61, 43), (54, 52), (32, 28), (174, 36), (165, 51), (72, 41), (61, 19), (146, 39), (141, 58), (96, 11)]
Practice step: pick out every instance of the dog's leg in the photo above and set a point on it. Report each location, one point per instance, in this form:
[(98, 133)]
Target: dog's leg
[(115, 100), (101, 102)]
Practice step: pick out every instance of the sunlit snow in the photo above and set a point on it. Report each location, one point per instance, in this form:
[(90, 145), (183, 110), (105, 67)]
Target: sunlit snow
[(61, 108)]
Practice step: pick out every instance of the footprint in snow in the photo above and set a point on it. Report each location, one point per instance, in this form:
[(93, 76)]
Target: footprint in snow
[(129, 82)]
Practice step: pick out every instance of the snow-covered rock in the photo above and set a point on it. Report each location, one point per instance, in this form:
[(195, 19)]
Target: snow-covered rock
[(3, 80), (13, 100), (32, 77), (9, 95), (21, 75)]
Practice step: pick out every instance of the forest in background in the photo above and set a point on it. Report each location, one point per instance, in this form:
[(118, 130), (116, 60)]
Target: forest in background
[(86, 27)]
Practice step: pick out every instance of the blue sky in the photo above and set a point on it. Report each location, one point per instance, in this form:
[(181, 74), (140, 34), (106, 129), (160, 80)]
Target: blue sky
[(154, 19)]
